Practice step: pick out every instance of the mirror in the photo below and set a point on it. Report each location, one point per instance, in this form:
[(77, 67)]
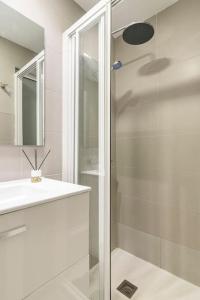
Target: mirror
[(22, 58)]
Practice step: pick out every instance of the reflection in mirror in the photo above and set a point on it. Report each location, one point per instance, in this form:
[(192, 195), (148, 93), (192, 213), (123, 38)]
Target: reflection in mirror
[(29, 95), (21, 79)]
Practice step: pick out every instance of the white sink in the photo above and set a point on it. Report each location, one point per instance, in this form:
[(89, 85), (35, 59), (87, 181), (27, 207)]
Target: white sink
[(15, 195), (8, 193)]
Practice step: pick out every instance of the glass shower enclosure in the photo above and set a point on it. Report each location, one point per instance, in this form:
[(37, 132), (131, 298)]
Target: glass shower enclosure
[(156, 151), (152, 144), (86, 136)]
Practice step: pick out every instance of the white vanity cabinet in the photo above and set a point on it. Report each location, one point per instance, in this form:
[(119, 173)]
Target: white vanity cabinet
[(39, 242)]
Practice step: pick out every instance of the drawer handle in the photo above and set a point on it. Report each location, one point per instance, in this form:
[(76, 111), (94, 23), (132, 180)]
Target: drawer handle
[(13, 232)]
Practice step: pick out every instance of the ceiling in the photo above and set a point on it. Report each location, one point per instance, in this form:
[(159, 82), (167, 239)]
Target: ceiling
[(128, 11), (86, 4), (20, 30)]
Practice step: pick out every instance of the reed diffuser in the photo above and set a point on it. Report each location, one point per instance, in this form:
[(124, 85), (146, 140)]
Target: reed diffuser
[(36, 173)]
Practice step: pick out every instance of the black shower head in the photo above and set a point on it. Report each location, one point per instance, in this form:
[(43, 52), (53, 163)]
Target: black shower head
[(138, 33)]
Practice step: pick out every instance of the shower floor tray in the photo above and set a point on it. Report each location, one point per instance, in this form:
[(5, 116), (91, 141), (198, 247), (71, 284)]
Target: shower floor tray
[(153, 283)]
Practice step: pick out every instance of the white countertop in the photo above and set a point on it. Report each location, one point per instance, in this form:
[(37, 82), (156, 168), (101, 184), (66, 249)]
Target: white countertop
[(19, 194)]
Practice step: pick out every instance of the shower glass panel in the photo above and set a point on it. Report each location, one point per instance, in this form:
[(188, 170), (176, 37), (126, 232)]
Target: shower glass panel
[(156, 150), (88, 139), (86, 151)]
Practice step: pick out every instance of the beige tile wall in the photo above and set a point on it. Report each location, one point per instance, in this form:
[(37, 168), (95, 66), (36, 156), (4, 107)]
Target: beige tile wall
[(158, 143), (55, 17)]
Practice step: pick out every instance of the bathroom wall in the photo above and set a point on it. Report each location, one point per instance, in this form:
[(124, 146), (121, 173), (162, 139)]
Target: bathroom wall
[(55, 17), (158, 143), (14, 56)]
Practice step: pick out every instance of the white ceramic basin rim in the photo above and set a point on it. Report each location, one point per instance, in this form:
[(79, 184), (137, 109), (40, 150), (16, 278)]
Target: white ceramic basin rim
[(18, 192), (15, 195)]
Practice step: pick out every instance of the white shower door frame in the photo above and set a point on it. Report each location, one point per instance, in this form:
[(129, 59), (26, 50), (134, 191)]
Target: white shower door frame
[(101, 14)]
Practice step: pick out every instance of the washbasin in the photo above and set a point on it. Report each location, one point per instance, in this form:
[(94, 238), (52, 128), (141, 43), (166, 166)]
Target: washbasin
[(18, 192), (15, 195)]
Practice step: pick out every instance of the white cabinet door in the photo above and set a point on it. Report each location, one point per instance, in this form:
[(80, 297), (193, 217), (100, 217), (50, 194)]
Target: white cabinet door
[(54, 236), (11, 257)]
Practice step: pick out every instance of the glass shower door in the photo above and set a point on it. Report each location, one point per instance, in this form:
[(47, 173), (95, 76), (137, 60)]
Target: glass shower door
[(87, 142), (88, 131), (88, 123)]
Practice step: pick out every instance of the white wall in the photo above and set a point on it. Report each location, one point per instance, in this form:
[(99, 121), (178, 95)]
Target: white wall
[(55, 17)]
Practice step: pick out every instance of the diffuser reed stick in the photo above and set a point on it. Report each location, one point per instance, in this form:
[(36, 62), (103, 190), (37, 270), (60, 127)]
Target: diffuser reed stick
[(44, 159), (35, 159), (28, 159)]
